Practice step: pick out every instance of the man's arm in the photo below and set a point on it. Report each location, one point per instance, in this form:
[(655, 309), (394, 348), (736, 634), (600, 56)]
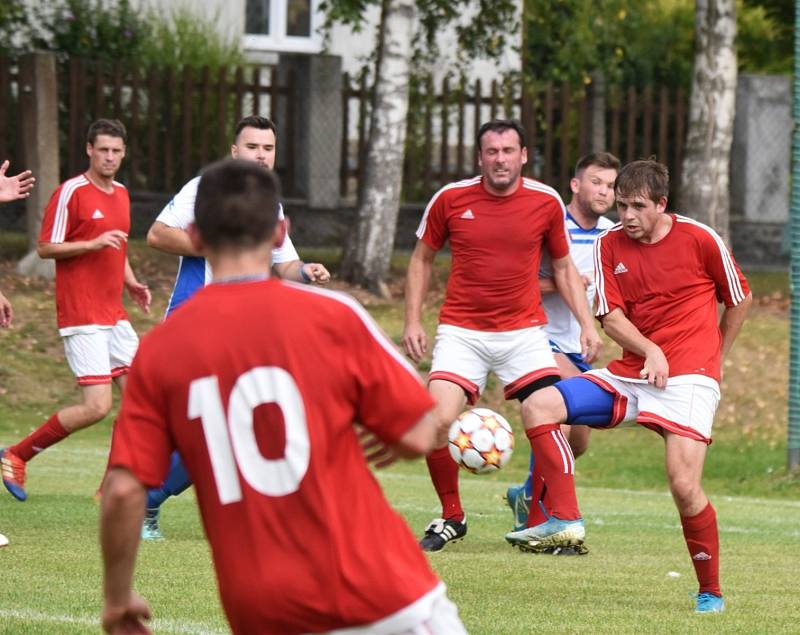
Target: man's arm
[(731, 321), (570, 285), (299, 271), (620, 329), (419, 440), (137, 290), (113, 238), (122, 512), (170, 240), (418, 277)]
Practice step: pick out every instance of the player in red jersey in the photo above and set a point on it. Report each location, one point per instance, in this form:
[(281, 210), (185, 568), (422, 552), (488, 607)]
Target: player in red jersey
[(659, 278), (492, 317), (262, 414), (85, 229)]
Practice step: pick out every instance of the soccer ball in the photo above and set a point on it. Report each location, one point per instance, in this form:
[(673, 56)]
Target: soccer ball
[(481, 441)]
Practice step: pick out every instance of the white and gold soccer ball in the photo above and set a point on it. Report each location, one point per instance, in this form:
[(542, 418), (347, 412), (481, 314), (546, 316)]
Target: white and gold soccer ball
[(481, 441)]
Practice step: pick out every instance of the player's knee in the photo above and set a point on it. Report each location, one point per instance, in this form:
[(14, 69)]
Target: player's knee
[(97, 408), (543, 406), (685, 490)]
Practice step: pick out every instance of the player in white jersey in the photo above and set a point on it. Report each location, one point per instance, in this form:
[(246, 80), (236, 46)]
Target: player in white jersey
[(592, 189), (254, 140)]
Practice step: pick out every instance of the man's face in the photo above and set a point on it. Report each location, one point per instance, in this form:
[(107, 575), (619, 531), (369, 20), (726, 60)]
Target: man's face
[(105, 155), (593, 189), (255, 144), (640, 215), (501, 159)]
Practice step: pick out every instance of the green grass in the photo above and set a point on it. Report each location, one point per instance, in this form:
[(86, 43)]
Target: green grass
[(51, 570)]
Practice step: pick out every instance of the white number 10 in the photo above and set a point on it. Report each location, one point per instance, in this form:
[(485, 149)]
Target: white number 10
[(231, 440)]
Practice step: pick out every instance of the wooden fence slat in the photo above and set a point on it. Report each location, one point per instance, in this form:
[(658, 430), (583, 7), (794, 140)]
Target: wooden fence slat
[(583, 126), (256, 90), (663, 124), (99, 91), (5, 103), (647, 122), (616, 115), (564, 158), (493, 101), (222, 113), (428, 148), (204, 100), (169, 145), (116, 94), (549, 101), (238, 108), (289, 107), (460, 171), (477, 100), (630, 145), (75, 127), (133, 128), (445, 142), (344, 150), (153, 92), (186, 114), (680, 114)]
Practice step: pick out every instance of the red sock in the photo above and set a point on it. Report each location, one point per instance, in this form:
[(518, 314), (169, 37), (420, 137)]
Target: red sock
[(702, 538), (553, 456), (47, 434), (444, 474), (536, 515)]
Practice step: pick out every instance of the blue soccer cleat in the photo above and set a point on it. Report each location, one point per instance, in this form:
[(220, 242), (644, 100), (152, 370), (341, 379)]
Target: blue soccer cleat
[(709, 603), (13, 470), (552, 533), (520, 504)]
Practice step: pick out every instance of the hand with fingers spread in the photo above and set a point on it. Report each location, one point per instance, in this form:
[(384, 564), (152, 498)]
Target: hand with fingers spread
[(15, 187)]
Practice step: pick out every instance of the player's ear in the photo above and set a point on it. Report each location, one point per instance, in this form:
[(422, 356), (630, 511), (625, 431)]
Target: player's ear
[(524, 156), (281, 230), (574, 183), (194, 236)]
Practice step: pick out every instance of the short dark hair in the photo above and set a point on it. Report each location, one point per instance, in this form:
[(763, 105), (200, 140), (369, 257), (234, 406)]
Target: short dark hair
[(501, 125), (646, 177), (237, 204), (604, 160), (110, 127), (254, 121)]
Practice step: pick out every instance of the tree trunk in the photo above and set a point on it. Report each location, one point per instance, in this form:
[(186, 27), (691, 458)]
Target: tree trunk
[(368, 248), (706, 165)]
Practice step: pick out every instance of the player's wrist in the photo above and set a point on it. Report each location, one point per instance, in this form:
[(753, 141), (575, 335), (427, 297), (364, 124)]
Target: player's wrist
[(303, 275)]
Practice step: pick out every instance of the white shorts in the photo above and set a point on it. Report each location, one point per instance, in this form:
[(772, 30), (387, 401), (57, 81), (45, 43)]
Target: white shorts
[(97, 356), (685, 407), (465, 357), (432, 614)]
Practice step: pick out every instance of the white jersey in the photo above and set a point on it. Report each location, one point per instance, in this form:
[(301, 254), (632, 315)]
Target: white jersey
[(194, 272), (562, 328)]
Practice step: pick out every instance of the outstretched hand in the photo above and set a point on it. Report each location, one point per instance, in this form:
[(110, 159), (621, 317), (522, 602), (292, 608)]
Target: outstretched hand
[(15, 187)]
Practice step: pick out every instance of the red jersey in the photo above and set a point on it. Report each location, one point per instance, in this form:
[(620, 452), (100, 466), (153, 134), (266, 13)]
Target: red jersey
[(89, 286), (257, 385), (496, 243), (669, 290)]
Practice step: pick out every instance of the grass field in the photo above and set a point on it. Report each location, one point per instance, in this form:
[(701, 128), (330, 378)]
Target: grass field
[(637, 578)]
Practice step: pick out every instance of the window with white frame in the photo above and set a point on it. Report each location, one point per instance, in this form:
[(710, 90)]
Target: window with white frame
[(282, 25)]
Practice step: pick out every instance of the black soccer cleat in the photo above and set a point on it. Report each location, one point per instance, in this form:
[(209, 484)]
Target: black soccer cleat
[(440, 532)]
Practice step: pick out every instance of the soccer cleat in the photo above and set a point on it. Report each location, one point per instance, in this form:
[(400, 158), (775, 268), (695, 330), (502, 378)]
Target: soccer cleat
[(520, 504), (552, 533), (440, 531), (709, 603), (13, 469), (150, 528)]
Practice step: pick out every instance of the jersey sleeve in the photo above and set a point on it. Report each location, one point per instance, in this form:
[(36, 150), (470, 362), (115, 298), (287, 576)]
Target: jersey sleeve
[(285, 253), (179, 212), (732, 287), (391, 397), (608, 294), (432, 228), (557, 242), (57, 216), (141, 441)]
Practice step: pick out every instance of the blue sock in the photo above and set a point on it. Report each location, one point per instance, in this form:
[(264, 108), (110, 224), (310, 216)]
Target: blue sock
[(177, 481), (529, 481)]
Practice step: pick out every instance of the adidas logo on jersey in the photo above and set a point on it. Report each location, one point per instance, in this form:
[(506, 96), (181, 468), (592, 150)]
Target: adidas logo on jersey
[(620, 268), (468, 215), (97, 215), (701, 556)]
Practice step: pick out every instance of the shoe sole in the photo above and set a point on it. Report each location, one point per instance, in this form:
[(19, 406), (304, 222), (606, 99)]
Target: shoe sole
[(572, 550), (449, 542), (569, 537)]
